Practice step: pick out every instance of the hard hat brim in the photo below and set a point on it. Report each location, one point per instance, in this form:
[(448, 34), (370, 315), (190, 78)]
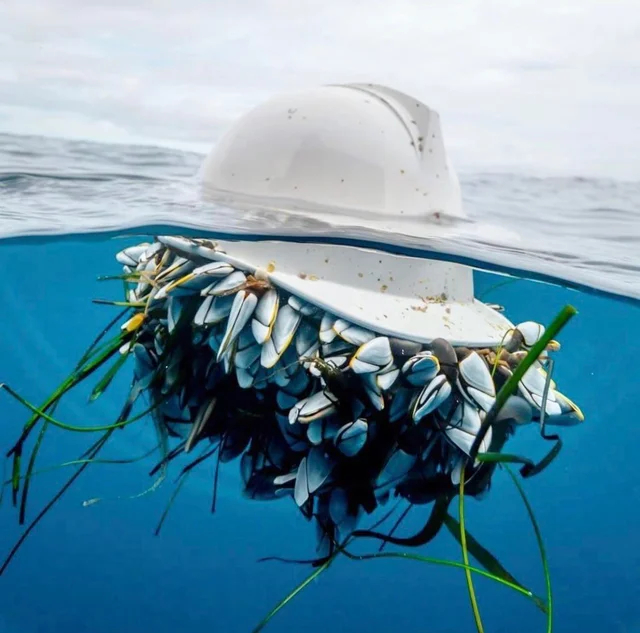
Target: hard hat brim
[(366, 287)]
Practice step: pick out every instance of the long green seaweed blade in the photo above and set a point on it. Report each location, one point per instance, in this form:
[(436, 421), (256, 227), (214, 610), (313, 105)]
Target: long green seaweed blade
[(107, 379), (4, 483), (172, 499), (90, 454), (530, 468), (543, 554), (126, 304), (465, 558), (489, 561), (76, 377), (500, 284), (15, 476), (78, 462), (503, 458), (30, 467), (296, 591), (71, 381), (77, 429), (511, 385), (447, 563), (93, 451), (48, 420), (90, 350)]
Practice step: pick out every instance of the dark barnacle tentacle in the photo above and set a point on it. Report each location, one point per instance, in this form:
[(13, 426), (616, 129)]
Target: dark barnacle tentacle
[(429, 531)]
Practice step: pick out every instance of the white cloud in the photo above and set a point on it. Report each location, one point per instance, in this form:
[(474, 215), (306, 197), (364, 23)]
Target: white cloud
[(544, 84)]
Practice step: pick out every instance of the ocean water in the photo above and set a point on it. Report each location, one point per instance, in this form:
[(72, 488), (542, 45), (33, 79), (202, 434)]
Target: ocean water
[(582, 232), (99, 568)]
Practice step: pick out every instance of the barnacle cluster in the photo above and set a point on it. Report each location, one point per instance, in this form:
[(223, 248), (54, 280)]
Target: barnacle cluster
[(331, 414)]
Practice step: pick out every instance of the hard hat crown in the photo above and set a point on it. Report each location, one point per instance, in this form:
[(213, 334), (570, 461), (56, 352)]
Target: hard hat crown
[(358, 150)]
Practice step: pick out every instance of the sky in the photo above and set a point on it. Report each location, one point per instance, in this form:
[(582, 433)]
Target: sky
[(549, 86)]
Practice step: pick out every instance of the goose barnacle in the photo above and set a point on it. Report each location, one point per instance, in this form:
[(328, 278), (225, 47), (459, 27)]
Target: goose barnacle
[(131, 255), (313, 472), (570, 413), (327, 333), (244, 303), (181, 267), (352, 334), (305, 308), (431, 397), (213, 310), (284, 329), (532, 387), (475, 382), (396, 468), (351, 438), (317, 406), (230, 284), (372, 356), (421, 368), (196, 280), (525, 335), (264, 316), (461, 426)]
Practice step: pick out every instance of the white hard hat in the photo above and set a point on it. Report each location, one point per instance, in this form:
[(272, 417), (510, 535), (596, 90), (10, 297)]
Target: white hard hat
[(359, 154), (356, 155)]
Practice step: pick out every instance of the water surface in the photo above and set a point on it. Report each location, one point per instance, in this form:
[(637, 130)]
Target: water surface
[(582, 231)]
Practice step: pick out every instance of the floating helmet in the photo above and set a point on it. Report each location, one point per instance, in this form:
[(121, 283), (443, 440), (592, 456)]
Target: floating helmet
[(361, 157)]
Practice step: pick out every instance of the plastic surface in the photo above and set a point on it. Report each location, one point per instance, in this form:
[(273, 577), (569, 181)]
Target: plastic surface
[(359, 151), (397, 296)]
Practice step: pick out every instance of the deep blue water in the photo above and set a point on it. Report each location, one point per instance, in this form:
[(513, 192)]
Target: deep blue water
[(101, 569)]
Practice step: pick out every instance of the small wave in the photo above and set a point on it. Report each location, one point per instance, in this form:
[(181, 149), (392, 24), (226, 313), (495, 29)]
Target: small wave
[(19, 177)]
